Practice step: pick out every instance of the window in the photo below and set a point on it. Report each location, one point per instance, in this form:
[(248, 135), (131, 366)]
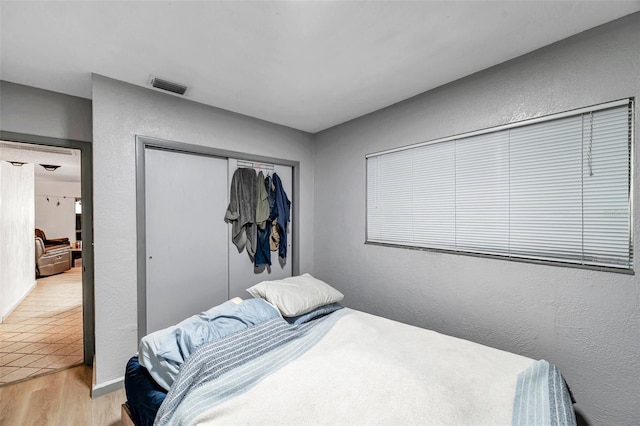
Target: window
[(552, 189)]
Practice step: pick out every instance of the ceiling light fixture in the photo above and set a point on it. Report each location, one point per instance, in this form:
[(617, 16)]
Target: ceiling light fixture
[(49, 167), (16, 163)]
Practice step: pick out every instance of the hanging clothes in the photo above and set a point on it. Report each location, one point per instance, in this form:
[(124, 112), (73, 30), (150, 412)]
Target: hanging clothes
[(273, 236), (271, 198), (263, 254), (241, 212), (263, 211), (283, 217), (262, 202)]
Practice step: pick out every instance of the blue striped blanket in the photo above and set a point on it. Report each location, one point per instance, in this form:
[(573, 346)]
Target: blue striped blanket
[(224, 359), (361, 369), (542, 397)]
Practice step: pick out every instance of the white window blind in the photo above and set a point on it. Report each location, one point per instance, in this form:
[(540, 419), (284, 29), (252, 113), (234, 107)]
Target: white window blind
[(554, 189)]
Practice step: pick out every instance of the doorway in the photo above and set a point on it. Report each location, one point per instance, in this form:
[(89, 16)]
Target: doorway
[(59, 309)]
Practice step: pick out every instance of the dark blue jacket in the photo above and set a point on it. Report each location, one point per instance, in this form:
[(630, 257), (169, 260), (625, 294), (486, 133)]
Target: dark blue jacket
[(284, 213)]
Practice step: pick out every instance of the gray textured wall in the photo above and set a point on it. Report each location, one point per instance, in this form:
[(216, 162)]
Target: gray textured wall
[(25, 109), (122, 111), (586, 322)]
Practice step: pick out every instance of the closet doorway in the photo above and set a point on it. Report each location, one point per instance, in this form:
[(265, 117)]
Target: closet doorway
[(187, 262)]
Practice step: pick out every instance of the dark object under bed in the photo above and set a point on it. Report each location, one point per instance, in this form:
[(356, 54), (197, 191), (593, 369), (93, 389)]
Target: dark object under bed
[(144, 395)]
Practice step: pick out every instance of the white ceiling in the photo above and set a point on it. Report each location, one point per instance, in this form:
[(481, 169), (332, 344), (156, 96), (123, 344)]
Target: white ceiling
[(307, 65), (67, 159)]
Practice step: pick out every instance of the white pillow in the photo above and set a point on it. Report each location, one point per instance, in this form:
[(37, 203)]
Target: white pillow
[(296, 295)]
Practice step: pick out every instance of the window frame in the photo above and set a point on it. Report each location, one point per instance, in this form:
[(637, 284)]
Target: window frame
[(630, 102)]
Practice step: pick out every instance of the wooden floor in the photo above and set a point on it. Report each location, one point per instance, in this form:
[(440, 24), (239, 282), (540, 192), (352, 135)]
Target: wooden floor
[(39, 343), (61, 398), (44, 333)]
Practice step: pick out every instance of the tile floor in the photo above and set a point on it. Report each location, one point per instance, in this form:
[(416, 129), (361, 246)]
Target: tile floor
[(44, 333)]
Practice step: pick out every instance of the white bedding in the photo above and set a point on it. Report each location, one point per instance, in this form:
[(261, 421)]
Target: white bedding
[(370, 370)]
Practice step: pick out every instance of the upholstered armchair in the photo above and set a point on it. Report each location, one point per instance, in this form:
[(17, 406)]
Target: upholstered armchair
[(52, 260), (52, 242)]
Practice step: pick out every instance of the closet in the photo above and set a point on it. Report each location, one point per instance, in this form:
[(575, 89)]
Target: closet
[(187, 261)]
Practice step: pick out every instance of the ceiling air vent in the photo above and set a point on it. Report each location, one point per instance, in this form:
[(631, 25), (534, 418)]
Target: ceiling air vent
[(169, 86)]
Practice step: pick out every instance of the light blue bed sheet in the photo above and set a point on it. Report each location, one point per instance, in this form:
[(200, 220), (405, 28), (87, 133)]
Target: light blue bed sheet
[(163, 352)]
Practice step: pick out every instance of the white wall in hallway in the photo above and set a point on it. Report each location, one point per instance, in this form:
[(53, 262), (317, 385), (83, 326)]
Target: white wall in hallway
[(17, 241), (57, 220)]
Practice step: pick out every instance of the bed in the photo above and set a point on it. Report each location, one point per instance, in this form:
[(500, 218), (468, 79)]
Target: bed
[(293, 355)]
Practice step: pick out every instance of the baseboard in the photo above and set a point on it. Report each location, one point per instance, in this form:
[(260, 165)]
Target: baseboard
[(107, 387), (18, 302)]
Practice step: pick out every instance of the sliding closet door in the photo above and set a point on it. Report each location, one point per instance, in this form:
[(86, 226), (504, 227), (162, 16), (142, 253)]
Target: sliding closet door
[(186, 237), (242, 273)]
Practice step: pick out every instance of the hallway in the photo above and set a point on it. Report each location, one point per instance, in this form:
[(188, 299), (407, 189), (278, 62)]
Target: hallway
[(44, 333)]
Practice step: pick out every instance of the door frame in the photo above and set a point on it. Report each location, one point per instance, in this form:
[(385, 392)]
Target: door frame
[(86, 193), (144, 142)]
